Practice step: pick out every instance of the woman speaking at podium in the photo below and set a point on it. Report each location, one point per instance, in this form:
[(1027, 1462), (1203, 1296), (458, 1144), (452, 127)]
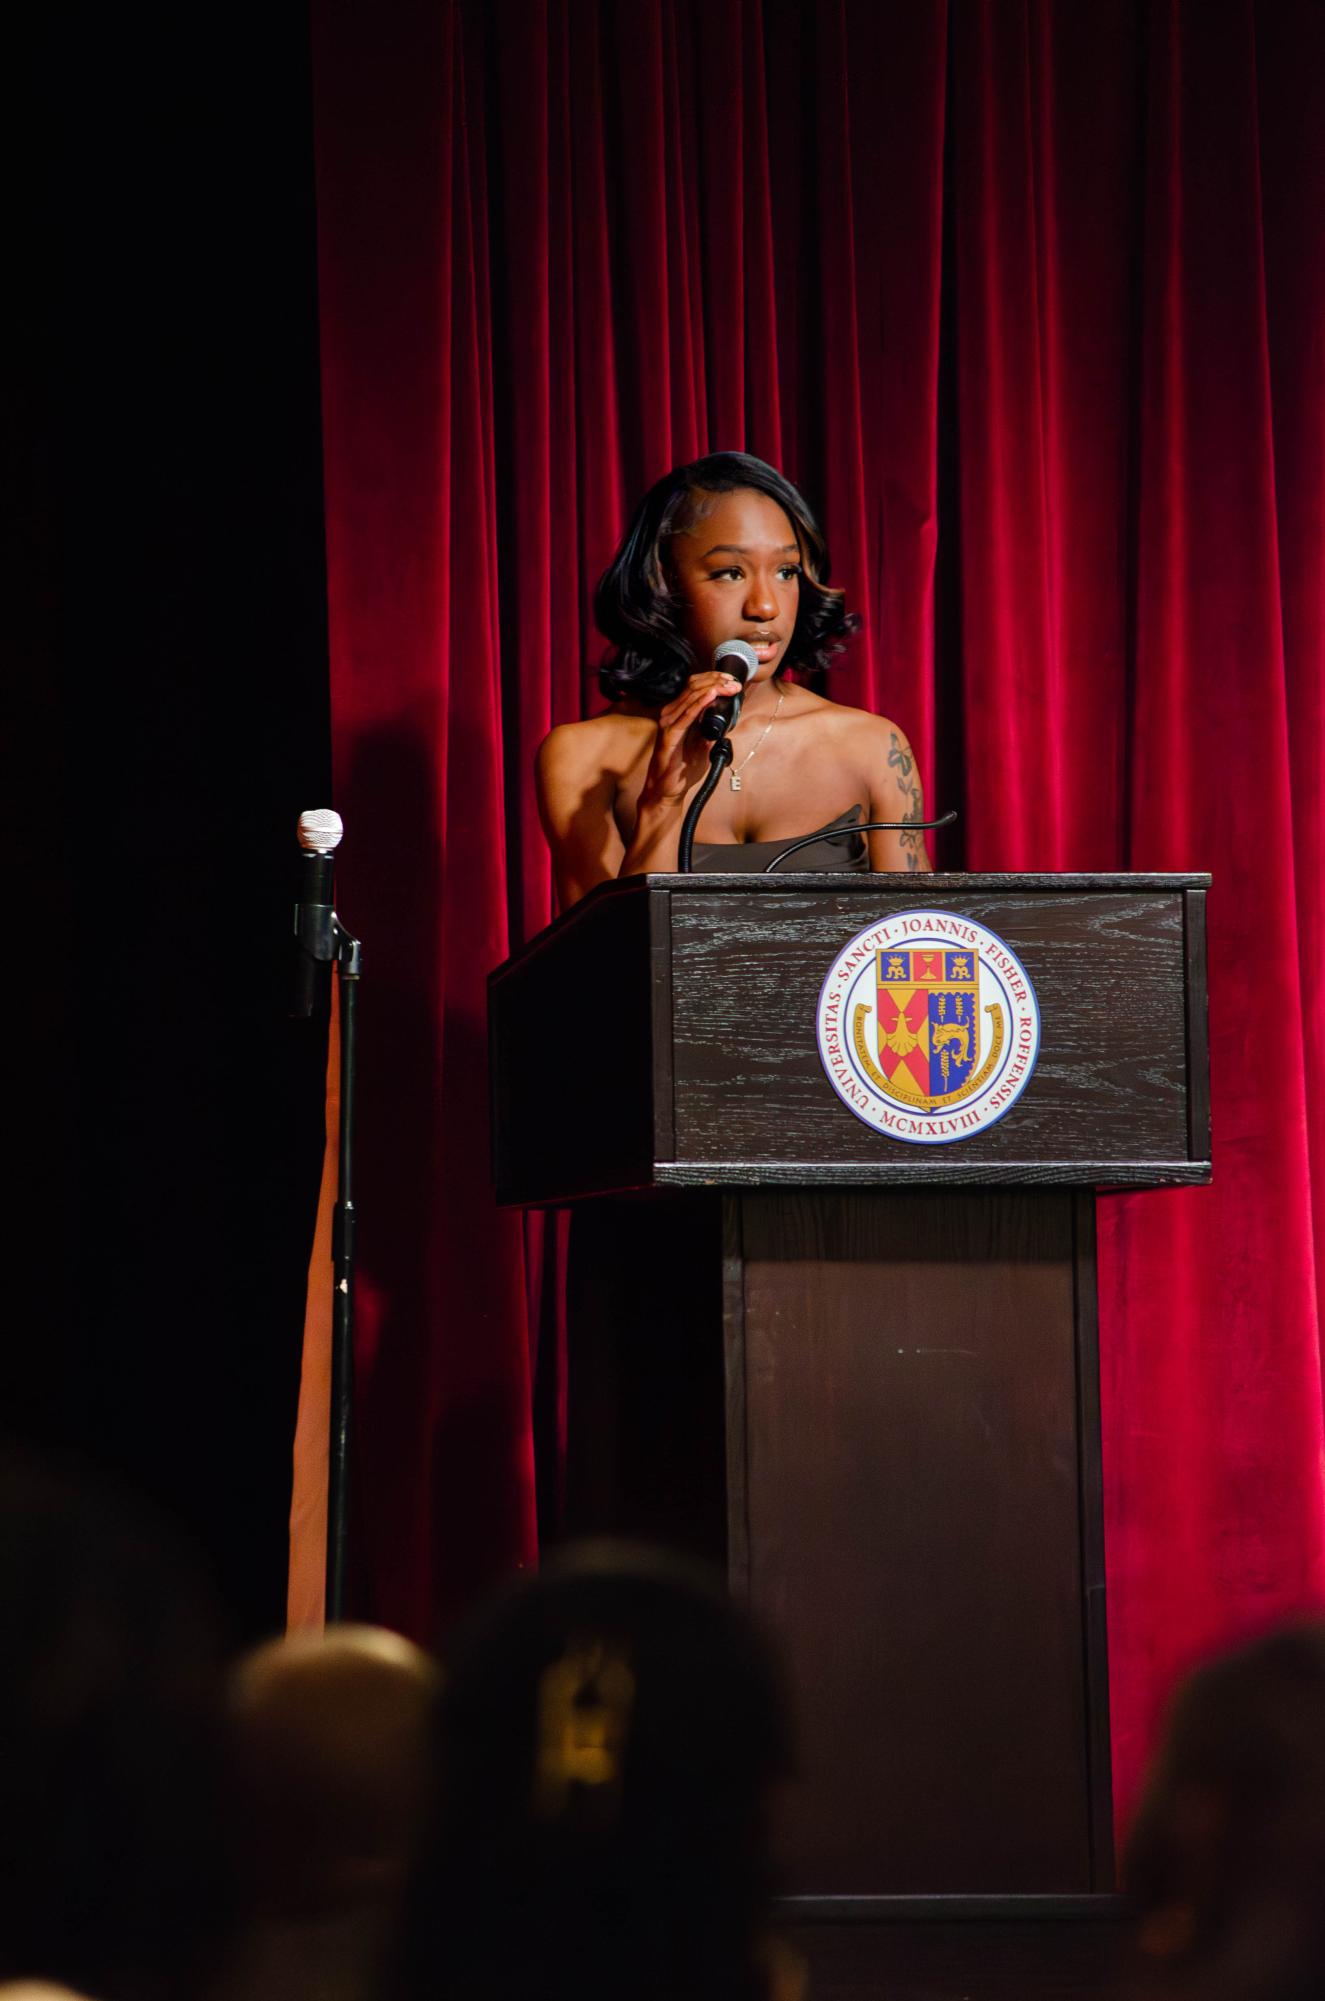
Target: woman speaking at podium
[(722, 549)]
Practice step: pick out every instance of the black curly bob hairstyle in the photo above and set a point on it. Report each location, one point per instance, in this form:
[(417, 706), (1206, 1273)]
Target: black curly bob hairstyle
[(635, 607)]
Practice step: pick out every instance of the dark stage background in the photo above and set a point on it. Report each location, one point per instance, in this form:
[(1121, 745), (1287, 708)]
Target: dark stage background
[(171, 514), (1028, 297)]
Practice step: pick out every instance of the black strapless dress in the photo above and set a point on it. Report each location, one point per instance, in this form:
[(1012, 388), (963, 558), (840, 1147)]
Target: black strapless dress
[(839, 848)]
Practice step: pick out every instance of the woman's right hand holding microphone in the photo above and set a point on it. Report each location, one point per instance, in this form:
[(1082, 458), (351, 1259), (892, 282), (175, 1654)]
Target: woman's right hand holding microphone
[(678, 761)]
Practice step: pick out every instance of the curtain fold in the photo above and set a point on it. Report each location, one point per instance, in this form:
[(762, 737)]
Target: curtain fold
[(409, 370), (1029, 299), (1213, 1393)]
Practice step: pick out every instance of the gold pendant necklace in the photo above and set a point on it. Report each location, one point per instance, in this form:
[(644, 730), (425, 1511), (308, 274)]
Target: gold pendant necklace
[(734, 775)]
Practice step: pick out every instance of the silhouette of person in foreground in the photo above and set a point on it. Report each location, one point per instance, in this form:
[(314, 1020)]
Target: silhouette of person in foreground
[(1227, 1855), (611, 1736), (114, 1872), (333, 1740)]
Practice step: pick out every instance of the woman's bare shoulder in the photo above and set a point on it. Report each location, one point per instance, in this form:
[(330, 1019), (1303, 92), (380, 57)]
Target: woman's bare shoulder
[(599, 743), (866, 730)]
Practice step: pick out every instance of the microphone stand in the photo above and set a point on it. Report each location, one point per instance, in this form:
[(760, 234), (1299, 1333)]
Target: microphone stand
[(720, 757), (323, 939), (349, 965)]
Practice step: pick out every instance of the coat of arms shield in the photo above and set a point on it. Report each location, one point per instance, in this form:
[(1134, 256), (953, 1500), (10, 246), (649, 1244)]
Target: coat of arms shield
[(928, 1023)]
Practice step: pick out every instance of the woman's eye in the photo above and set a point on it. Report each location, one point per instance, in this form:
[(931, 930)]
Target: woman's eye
[(786, 571)]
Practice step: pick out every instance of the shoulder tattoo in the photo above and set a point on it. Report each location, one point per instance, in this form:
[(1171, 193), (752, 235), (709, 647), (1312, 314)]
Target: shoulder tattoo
[(901, 760)]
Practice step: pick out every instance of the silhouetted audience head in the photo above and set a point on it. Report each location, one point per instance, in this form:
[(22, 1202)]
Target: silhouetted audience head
[(334, 1743), (37, 1990), (611, 1734), (1227, 1857), (113, 1873)]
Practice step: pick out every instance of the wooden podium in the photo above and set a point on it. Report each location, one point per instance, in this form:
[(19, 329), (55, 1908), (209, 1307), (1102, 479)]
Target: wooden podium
[(861, 1374)]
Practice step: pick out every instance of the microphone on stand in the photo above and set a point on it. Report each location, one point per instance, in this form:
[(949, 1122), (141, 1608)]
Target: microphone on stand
[(321, 939), (717, 721), (314, 910), (742, 664)]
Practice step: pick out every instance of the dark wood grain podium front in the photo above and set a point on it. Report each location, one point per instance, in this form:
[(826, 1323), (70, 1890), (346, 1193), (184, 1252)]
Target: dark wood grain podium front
[(861, 1374)]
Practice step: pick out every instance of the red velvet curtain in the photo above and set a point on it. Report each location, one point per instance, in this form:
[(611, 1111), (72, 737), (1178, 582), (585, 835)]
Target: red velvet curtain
[(1029, 299)]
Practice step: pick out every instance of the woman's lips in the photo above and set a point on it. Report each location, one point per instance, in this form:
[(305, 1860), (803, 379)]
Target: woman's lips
[(765, 648)]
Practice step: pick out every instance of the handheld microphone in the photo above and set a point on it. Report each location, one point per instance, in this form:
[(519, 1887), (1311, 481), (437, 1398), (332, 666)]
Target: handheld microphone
[(314, 913), (741, 663)]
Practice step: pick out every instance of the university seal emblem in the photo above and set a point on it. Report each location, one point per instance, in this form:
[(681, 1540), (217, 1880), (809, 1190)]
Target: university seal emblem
[(928, 1027)]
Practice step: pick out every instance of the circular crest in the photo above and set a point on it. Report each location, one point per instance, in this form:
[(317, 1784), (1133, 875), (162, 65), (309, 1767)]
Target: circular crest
[(928, 1027)]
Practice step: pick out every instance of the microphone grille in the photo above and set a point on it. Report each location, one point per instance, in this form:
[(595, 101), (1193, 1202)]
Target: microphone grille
[(740, 659), (320, 831)]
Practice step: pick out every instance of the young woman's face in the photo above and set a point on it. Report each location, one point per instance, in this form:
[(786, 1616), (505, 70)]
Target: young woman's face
[(737, 573)]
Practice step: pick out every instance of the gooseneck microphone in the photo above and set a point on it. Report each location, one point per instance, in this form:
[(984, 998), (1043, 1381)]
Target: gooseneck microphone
[(718, 721), (741, 662), (314, 911)]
